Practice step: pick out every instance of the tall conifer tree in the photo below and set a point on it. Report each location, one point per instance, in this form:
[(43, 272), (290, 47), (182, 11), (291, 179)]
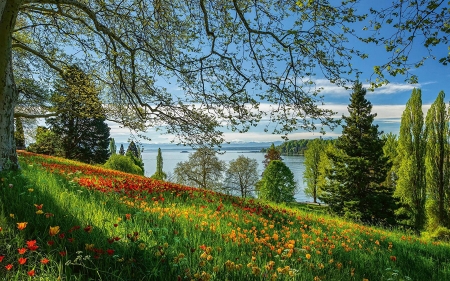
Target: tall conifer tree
[(159, 173), (410, 188), (356, 187), (437, 164)]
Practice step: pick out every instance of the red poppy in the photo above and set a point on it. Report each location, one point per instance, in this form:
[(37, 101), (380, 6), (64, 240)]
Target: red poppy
[(31, 272), (22, 260), (45, 261)]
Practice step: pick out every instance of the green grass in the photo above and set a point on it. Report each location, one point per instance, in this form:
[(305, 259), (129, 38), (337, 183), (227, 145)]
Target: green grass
[(114, 226)]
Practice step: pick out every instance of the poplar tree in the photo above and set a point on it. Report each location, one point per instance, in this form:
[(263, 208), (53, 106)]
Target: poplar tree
[(159, 174), (356, 187), (437, 164), (410, 188), (311, 173), (112, 147)]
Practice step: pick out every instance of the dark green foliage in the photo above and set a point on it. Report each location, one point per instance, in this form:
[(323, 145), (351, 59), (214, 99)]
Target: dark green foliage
[(271, 154), (81, 126), (47, 142), (123, 163), (356, 188), (121, 150), (159, 173), (135, 154), (277, 183), (295, 147), (19, 134)]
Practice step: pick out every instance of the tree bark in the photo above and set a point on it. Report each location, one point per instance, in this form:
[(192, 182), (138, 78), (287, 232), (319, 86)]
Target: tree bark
[(8, 91)]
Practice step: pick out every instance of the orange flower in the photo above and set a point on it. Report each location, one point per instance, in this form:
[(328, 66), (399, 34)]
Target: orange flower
[(39, 207), (22, 260), (32, 245), (45, 261), (31, 272), (308, 256), (393, 258), (9, 266), (21, 251), (21, 225), (53, 230), (128, 216)]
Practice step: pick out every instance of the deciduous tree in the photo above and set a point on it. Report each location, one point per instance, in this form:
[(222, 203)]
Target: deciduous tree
[(215, 51), (272, 153), (203, 170), (277, 183), (112, 147), (241, 176), (19, 134), (437, 165), (312, 172), (411, 187), (356, 188)]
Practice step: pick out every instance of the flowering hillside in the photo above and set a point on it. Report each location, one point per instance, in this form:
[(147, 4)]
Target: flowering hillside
[(63, 219)]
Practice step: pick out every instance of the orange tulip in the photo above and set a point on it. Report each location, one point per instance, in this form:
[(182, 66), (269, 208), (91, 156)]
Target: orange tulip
[(21, 225)]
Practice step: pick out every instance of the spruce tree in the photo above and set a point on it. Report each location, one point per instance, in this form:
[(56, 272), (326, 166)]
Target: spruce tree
[(410, 189), (81, 126), (122, 150), (356, 188), (159, 173), (437, 165)]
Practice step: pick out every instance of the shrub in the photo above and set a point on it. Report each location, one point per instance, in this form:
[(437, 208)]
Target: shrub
[(123, 163)]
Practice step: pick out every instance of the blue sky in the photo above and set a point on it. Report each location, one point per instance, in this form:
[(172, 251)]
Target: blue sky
[(388, 101)]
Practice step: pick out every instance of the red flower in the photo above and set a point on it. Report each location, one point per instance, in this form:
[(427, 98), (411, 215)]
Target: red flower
[(61, 235), (21, 251), (31, 272), (115, 225), (203, 247), (22, 260), (110, 252), (128, 216), (50, 243), (32, 245), (88, 228), (9, 266), (45, 261), (39, 207), (71, 240), (1, 258), (393, 258), (62, 253), (74, 228), (117, 238)]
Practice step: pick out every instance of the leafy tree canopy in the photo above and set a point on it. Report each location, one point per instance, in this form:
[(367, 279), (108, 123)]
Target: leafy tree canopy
[(277, 183)]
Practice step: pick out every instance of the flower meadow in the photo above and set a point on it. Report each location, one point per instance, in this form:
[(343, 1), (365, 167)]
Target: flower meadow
[(64, 220)]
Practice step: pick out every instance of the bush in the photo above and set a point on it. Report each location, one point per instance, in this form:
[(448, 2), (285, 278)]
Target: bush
[(123, 163)]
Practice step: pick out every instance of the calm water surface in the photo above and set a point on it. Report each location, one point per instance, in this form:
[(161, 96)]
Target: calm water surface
[(171, 157)]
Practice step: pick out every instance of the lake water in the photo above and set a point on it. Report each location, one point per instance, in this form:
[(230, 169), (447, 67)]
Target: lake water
[(172, 156)]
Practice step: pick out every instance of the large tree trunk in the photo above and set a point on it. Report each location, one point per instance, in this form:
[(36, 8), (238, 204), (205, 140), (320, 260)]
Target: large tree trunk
[(8, 92)]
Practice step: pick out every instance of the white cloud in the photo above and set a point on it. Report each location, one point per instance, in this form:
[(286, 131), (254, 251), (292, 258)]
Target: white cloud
[(392, 88)]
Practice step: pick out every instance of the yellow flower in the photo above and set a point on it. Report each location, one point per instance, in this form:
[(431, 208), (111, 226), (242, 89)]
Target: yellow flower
[(89, 247), (39, 212), (53, 230), (308, 256), (11, 215), (141, 246), (30, 189)]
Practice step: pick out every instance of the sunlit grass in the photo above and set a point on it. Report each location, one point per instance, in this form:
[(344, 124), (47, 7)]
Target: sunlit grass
[(89, 222)]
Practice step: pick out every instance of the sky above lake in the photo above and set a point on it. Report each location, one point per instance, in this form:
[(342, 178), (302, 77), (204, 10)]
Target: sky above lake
[(388, 101)]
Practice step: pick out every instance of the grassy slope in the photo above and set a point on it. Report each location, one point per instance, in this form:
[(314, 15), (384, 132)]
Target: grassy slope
[(115, 226)]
